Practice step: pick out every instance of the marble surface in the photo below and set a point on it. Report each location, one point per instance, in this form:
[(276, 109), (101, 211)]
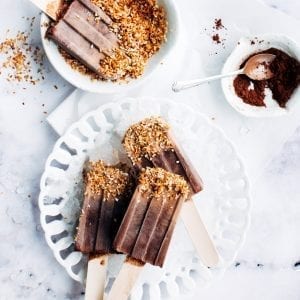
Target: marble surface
[(266, 267)]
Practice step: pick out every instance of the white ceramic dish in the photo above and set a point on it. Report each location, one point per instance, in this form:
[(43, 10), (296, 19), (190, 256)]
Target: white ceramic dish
[(107, 87), (224, 203), (242, 51)]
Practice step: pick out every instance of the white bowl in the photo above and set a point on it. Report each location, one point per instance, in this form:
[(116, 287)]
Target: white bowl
[(242, 51), (107, 87)]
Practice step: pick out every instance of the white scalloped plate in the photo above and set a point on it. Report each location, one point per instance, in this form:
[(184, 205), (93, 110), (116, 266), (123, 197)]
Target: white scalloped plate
[(224, 204)]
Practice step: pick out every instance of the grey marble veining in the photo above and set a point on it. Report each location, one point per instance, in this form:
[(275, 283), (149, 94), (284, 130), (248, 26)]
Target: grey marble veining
[(266, 267)]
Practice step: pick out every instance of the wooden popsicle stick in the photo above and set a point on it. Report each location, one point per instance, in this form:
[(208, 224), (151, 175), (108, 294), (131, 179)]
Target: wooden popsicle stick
[(125, 280), (199, 235), (96, 276), (49, 7)]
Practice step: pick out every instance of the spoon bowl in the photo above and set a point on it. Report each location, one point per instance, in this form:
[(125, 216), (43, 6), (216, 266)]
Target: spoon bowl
[(257, 67)]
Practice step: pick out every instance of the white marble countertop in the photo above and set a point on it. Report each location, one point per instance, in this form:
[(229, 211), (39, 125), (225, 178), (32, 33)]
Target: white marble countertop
[(266, 267)]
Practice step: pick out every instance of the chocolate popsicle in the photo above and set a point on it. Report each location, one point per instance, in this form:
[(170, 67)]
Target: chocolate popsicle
[(106, 197), (148, 224), (150, 143), (83, 32), (147, 227)]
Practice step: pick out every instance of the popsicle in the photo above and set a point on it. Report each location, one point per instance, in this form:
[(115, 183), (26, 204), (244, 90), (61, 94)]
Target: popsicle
[(147, 227), (83, 31), (106, 197), (150, 143)]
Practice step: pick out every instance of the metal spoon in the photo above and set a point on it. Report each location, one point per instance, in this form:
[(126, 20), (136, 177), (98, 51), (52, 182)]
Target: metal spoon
[(257, 68)]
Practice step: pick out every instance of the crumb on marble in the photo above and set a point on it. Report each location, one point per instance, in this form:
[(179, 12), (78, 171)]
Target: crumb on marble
[(18, 56)]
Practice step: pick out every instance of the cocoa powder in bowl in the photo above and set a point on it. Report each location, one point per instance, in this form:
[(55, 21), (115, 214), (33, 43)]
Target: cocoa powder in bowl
[(286, 79)]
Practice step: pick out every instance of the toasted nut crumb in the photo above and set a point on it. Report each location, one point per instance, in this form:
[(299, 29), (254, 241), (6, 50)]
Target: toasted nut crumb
[(163, 185), (107, 179), (146, 139)]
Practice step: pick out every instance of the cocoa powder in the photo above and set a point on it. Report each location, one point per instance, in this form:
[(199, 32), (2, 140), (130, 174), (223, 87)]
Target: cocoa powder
[(216, 38), (218, 24), (286, 70), (216, 30)]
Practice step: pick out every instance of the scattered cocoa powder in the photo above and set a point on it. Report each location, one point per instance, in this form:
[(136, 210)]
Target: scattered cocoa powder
[(286, 70), (215, 34), (216, 38), (256, 41), (218, 24)]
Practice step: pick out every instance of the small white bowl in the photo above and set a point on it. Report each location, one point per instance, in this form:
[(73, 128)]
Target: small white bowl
[(242, 51), (84, 82)]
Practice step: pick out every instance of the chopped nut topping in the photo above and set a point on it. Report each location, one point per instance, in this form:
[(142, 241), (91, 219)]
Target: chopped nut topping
[(146, 139), (109, 180), (163, 185), (142, 28)]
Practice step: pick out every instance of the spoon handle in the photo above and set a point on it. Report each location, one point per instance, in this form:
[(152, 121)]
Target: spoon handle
[(183, 85)]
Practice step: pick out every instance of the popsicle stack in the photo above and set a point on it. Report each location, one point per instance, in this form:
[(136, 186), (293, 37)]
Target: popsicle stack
[(83, 32), (165, 182), (106, 197), (151, 143)]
